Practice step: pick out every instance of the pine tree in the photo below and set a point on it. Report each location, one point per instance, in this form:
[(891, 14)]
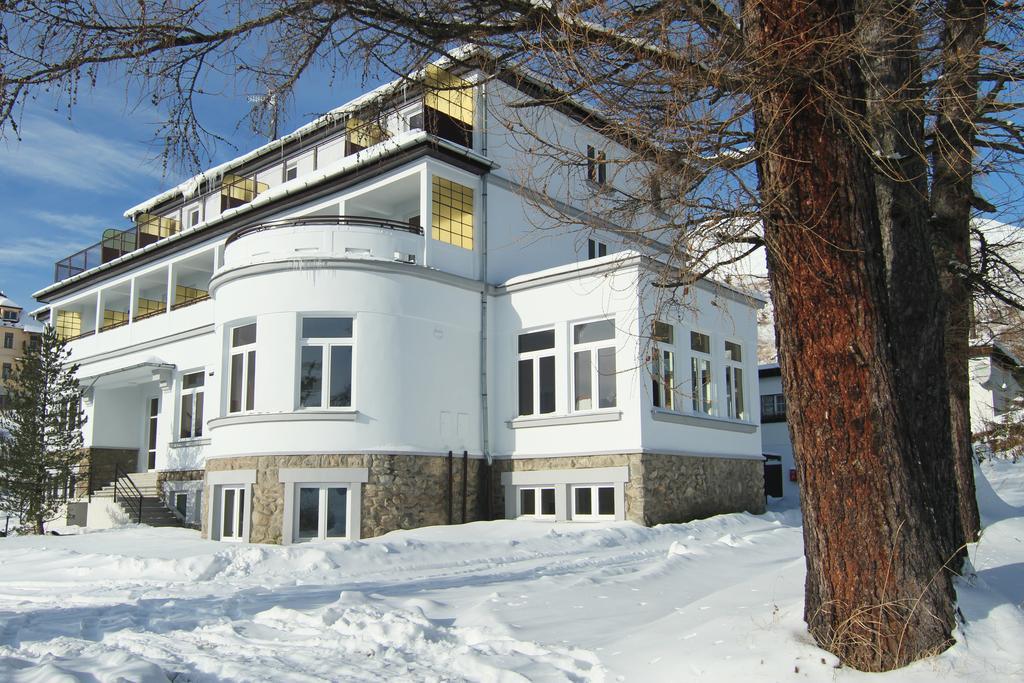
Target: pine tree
[(40, 433)]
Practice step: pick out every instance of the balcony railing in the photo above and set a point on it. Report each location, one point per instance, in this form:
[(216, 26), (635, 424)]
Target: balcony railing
[(115, 243), (321, 221)]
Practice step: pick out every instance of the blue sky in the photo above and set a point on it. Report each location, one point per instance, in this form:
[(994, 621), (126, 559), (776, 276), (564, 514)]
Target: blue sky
[(65, 181)]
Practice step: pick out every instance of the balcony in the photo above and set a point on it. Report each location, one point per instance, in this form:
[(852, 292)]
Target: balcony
[(116, 243)]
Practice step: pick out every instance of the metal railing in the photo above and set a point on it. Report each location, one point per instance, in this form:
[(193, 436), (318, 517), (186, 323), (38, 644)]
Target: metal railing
[(320, 221), (129, 494)]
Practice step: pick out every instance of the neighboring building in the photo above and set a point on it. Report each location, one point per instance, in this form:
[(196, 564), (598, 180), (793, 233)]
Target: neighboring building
[(775, 440), (996, 381), (359, 328), (997, 378), (18, 333)]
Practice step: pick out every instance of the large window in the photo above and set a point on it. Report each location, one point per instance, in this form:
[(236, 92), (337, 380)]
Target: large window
[(773, 408), (8, 340), (6, 372), (593, 362), (734, 381), (322, 512), (537, 372), (242, 380), (663, 366), (325, 363), (192, 390), (69, 324), (452, 213), (701, 380)]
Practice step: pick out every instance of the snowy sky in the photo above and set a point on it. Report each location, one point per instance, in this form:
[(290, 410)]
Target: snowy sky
[(66, 180)]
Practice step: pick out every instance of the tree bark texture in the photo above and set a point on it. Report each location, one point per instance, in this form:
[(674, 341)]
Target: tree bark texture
[(877, 594), (887, 40), (951, 197)]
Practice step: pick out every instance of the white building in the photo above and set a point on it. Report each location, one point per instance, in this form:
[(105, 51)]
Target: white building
[(996, 384), (360, 327)]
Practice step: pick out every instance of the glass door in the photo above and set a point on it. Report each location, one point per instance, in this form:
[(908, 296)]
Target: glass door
[(154, 410), (322, 512), (232, 513)]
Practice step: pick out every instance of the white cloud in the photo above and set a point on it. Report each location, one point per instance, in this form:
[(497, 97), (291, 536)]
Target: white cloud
[(55, 152)]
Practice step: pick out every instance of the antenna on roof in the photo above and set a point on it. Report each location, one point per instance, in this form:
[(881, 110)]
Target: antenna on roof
[(268, 101)]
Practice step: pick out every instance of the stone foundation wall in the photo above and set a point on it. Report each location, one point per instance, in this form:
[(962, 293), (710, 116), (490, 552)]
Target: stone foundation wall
[(402, 491), (680, 488), (662, 488)]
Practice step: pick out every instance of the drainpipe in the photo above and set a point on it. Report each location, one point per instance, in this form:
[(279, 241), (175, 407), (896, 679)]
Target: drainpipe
[(484, 414)]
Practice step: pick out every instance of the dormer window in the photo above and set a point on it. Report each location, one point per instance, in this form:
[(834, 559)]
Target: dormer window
[(193, 218), (448, 107), (596, 249), (291, 170)]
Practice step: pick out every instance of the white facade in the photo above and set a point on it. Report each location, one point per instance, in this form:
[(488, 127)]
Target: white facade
[(341, 310), (995, 385)]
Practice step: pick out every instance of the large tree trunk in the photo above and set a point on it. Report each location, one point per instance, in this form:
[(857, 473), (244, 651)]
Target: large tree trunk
[(888, 46), (952, 193), (877, 594)]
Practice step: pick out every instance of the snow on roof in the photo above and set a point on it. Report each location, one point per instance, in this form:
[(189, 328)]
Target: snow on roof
[(190, 186), (7, 302)]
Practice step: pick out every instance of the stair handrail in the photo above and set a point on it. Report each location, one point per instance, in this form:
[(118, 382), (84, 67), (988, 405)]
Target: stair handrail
[(136, 500)]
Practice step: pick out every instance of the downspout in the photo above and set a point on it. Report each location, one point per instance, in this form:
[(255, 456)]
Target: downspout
[(484, 414)]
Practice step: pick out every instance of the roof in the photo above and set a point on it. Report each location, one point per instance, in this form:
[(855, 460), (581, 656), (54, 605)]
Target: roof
[(6, 302)]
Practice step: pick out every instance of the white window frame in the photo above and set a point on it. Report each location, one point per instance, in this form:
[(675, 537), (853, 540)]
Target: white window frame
[(563, 481), (229, 479), (596, 248), (735, 388), (326, 344), (195, 211), (594, 348), (534, 358), (295, 478), (696, 400), (193, 391), (248, 374), (322, 489), (664, 394), (538, 492), (593, 516)]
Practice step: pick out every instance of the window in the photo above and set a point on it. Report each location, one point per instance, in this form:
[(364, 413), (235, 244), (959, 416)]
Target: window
[(734, 381), (291, 170), (596, 249), (238, 190), (242, 380), (537, 502), (8, 340), (597, 165), (69, 324), (325, 363), (321, 512), (11, 316), (537, 372), (593, 502), (448, 106), (5, 373), (773, 408), (701, 381), (181, 504), (663, 366), (594, 365), (192, 405), (193, 218), (151, 432), (452, 213), (232, 513)]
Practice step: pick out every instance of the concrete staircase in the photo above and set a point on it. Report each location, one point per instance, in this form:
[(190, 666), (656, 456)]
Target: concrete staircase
[(154, 511)]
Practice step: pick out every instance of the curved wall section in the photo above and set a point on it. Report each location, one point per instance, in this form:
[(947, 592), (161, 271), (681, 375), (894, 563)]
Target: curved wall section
[(415, 358), (324, 237)]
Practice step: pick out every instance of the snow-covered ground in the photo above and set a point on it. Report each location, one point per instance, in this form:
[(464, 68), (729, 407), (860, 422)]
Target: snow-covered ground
[(717, 599)]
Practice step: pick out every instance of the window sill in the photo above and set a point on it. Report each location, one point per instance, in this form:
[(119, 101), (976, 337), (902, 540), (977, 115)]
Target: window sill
[(606, 415), (347, 415), (190, 443), (710, 421)]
